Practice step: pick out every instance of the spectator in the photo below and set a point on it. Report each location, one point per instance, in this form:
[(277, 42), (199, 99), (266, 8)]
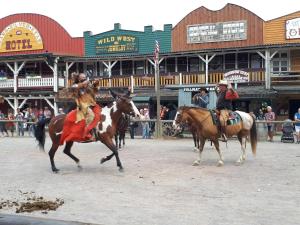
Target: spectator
[(132, 126), (20, 117), (2, 124), (61, 111), (270, 116), (47, 114), (41, 115), (2, 74), (163, 112), (11, 125), (31, 118), (201, 99), (297, 124), (260, 115)]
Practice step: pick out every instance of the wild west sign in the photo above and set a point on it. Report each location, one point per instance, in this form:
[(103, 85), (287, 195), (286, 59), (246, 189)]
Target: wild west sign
[(117, 44), (20, 36)]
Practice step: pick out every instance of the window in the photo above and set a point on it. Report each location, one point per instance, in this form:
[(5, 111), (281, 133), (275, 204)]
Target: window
[(280, 63), (171, 65), (243, 61), (216, 64), (181, 64), (229, 61), (139, 67), (194, 64), (256, 61)]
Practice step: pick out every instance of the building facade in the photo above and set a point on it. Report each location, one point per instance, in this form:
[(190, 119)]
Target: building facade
[(261, 58)]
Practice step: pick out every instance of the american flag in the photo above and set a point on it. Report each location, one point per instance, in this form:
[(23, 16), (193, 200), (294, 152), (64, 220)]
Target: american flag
[(156, 51)]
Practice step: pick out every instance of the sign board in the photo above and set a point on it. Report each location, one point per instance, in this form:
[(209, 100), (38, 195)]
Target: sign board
[(237, 76), (20, 36), (217, 32), (292, 28), (116, 44), (196, 89)]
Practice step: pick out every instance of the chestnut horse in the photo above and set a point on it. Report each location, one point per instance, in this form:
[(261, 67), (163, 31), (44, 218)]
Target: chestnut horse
[(105, 129), (208, 130)]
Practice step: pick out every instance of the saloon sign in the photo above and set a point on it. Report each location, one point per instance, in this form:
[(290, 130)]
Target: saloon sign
[(237, 76), (292, 28), (20, 36), (117, 43)]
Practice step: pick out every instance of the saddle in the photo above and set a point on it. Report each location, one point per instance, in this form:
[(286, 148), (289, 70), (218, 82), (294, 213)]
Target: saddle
[(233, 117)]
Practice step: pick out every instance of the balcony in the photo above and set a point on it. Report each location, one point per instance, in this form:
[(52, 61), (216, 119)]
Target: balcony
[(31, 83), (256, 78)]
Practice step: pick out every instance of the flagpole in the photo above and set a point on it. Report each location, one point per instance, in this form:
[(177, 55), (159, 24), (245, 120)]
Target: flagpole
[(157, 92)]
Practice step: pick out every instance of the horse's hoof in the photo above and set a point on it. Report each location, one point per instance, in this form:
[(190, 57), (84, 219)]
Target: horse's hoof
[(55, 170), (220, 163), (196, 163), (196, 149), (102, 160), (121, 169)]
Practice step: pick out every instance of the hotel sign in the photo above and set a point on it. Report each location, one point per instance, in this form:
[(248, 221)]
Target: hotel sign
[(117, 44), (237, 76), (292, 28), (217, 32), (20, 36)]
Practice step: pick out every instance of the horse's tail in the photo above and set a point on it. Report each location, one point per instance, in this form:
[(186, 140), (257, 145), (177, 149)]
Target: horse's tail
[(40, 134), (253, 137)]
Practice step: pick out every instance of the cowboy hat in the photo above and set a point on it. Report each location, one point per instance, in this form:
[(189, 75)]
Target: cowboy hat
[(223, 82), (203, 89)]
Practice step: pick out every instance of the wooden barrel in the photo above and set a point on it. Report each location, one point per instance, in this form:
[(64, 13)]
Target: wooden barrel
[(262, 132)]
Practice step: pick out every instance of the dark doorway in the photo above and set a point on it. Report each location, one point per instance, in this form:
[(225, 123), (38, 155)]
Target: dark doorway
[(293, 107)]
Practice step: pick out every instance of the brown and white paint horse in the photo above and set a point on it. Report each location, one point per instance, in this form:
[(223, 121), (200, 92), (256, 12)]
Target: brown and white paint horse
[(105, 130), (208, 130)]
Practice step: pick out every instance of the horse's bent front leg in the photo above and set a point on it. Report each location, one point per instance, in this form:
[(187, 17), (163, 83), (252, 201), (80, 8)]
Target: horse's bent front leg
[(217, 146), (109, 143), (67, 151), (242, 157), (202, 143)]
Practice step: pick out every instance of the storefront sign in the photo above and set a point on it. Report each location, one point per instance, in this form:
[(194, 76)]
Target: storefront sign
[(237, 76), (20, 36), (292, 28), (197, 89), (217, 32), (117, 43)]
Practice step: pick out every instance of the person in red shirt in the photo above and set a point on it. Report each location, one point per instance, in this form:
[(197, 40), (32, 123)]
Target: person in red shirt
[(225, 94)]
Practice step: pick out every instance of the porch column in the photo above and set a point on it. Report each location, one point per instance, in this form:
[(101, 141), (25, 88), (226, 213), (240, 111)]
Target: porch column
[(109, 65), (68, 66), (206, 61), (53, 106), (16, 70), (267, 57), (121, 69), (54, 70), (176, 64)]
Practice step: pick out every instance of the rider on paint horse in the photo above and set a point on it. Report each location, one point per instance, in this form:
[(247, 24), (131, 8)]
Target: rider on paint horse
[(79, 123), (225, 94)]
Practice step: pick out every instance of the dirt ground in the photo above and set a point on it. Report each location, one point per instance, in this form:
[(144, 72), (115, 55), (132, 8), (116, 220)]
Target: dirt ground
[(159, 184)]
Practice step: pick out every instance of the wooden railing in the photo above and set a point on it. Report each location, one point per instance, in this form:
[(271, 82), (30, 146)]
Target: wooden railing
[(135, 81), (31, 82)]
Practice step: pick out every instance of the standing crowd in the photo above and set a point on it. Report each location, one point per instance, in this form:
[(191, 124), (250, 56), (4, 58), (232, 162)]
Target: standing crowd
[(26, 120)]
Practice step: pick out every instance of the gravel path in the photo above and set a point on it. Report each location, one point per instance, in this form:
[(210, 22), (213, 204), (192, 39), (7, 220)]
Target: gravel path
[(159, 184)]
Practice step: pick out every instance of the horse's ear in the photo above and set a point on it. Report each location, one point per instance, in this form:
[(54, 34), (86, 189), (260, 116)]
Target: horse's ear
[(113, 93)]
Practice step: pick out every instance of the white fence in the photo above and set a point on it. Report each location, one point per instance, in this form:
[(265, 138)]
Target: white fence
[(31, 82)]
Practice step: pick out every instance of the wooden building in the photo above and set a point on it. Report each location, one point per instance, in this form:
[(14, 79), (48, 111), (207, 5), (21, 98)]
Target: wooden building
[(261, 57)]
